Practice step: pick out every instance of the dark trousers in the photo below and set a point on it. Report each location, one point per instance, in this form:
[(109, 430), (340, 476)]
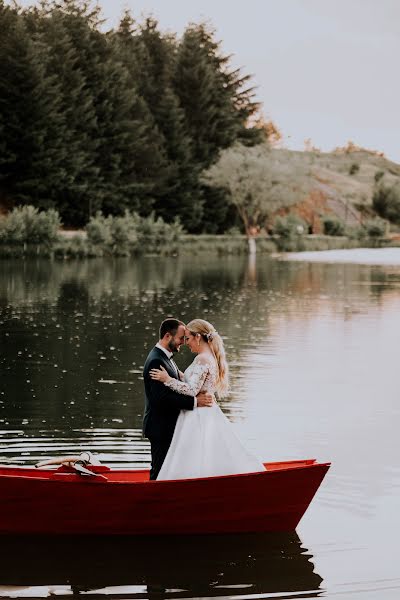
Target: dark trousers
[(159, 449)]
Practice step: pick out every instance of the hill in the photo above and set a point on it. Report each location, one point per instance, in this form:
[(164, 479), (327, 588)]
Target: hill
[(340, 182)]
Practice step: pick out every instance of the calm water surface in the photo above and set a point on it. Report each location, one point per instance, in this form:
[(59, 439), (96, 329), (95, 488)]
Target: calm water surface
[(314, 357)]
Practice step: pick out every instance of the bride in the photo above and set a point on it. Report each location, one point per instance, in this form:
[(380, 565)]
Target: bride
[(204, 443)]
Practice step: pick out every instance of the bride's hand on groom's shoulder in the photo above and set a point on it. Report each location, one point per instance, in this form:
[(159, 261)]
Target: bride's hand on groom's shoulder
[(205, 399), (160, 374)]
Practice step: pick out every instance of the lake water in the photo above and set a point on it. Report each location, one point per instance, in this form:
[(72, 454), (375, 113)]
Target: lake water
[(313, 349)]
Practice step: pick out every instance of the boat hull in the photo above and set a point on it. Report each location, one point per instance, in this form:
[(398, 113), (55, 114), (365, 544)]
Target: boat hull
[(126, 503)]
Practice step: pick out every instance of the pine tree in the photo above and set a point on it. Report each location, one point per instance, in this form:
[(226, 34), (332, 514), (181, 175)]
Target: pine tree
[(149, 58), (216, 104), (180, 195), (194, 85), (32, 123), (122, 117), (124, 120), (123, 149), (76, 198), (80, 22)]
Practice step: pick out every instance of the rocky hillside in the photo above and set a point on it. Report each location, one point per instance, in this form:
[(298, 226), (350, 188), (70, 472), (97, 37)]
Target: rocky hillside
[(340, 183)]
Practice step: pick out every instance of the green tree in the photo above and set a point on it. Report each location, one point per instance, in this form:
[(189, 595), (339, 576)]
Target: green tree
[(124, 120), (217, 210), (259, 179), (31, 120), (217, 105), (386, 201), (150, 58), (209, 116), (124, 148), (76, 195)]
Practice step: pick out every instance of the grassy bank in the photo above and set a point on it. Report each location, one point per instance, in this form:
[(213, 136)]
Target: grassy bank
[(28, 232), (228, 244), (77, 246)]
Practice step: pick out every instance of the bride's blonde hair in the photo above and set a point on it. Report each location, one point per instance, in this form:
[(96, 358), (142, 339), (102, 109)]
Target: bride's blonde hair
[(214, 340)]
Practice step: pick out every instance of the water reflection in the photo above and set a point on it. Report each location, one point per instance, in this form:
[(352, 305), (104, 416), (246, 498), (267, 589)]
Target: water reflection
[(74, 337), (192, 566), (313, 353)]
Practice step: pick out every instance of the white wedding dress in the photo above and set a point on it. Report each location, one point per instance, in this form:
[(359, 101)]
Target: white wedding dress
[(204, 443)]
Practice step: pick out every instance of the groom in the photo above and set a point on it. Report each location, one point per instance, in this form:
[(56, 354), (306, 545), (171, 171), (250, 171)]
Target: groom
[(162, 405)]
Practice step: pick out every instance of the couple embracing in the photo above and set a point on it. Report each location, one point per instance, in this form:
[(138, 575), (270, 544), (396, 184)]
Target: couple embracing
[(189, 434)]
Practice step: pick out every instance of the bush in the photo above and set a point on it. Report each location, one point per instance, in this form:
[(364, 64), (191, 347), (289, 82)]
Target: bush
[(386, 202), (113, 235), (333, 226), (26, 225), (130, 233), (357, 233), (124, 237), (154, 235), (98, 230), (375, 228), (354, 168), (290, 231), (75, 247), (378, 175)]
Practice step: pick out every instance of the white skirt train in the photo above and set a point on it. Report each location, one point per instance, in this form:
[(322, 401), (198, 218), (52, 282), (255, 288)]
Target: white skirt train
[(205, 445)]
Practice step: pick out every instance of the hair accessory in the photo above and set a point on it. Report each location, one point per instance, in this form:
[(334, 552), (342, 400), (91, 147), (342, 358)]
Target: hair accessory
[(210, 335)]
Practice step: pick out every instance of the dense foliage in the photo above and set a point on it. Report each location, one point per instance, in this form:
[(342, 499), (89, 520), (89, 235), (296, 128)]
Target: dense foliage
[(259, 181), (290, 231), (27, 230), (333, 225), (386, 200), (113, 121), (26, 225)]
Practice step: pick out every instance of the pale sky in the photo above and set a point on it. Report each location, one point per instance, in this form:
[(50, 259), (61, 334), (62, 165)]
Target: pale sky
[(325, 69)]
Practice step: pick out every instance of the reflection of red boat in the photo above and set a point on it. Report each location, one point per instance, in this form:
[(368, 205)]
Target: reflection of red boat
[(259, 565), (125, 502)]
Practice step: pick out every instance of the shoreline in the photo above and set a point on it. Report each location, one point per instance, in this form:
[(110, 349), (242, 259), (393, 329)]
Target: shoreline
[(354, 256), (73, 244)]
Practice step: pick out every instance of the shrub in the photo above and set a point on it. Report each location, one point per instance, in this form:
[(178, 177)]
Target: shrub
[(98, 230), (130, 233), (333, 226), (378, 175), (354, 168), (371, 229), (234, 231), (75, 247), (375, 228), (26, 225), (290, 231), (113, 235), (155, 235), (124, 235), (386, 202), (357, 233)]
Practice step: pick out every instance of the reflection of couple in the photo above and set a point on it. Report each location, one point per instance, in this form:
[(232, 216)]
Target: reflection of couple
[(186, 441), (201, 566)]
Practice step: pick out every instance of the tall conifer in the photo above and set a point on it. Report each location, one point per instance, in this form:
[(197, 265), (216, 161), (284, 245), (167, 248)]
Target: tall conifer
[(31, 119), (75, 197)]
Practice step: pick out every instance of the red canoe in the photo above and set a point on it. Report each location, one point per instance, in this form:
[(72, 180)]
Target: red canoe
[(125, 502)]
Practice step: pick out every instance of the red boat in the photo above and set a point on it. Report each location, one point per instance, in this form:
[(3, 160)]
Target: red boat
[(125, 502)]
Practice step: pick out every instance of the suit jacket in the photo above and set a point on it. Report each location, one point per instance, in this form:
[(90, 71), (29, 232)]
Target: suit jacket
[(162, 405)]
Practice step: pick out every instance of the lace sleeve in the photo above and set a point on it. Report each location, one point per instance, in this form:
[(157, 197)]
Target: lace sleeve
[(198, 374)]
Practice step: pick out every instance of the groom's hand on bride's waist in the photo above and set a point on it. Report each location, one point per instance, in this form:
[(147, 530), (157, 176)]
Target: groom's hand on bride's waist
[(205, 399)]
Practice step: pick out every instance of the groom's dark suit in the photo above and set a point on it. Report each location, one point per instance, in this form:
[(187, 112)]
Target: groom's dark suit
[(162, 407)]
